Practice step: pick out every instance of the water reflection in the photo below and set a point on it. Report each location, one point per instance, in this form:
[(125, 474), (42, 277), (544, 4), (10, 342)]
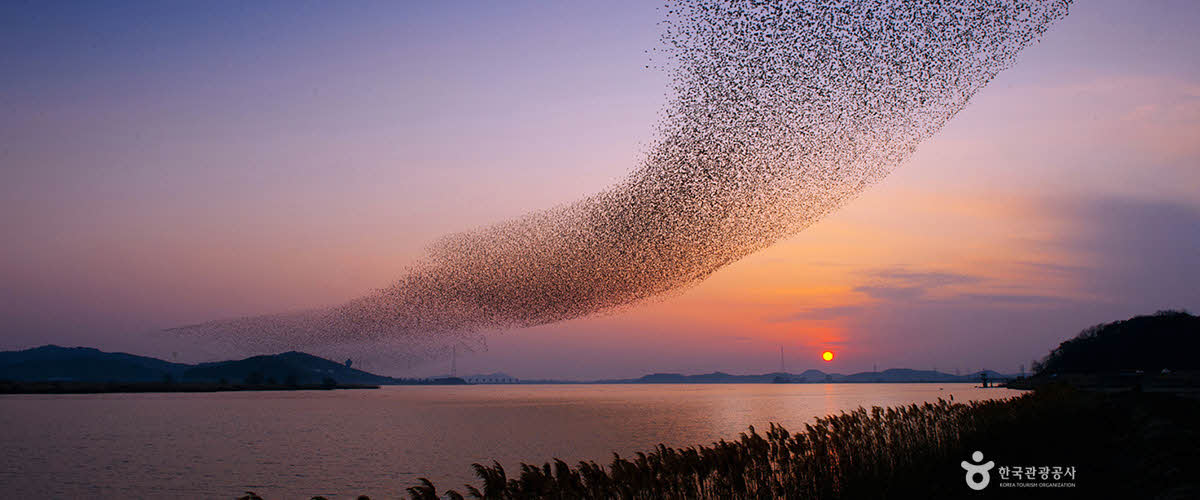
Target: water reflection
[(298, 444)]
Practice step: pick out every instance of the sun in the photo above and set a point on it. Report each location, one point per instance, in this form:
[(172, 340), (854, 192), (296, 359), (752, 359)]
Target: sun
[(827, 355)]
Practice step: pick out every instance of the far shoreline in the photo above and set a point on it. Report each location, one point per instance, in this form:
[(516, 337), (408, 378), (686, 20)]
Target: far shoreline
[(66, 387)]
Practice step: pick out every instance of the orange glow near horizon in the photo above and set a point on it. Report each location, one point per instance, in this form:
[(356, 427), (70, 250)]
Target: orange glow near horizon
[(827, 356)]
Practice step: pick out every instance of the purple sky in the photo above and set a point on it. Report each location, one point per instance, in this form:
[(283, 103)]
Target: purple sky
[(169, 164)]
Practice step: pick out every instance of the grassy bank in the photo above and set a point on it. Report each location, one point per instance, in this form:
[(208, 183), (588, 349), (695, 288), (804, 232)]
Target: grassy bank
[(1121, 445)]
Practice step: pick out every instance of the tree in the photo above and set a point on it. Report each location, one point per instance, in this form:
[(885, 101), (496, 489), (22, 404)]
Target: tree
[(1166, 339)]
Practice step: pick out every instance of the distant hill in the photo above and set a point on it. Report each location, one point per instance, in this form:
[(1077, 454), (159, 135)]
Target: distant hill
[(905, 375), (84, 364), (52, 362), (894, 375), (489, 376), (1164, 340), (287, 368), (706, 378)]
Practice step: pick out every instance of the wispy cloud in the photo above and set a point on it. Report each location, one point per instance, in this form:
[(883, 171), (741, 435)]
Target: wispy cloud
[(927, 279), (1051, 268), (905, 284), (1009, 299), (826, 313), (889, 292), (1120, 253)]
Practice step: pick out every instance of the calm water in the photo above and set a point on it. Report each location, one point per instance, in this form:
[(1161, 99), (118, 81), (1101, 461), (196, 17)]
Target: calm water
[(377, 442)]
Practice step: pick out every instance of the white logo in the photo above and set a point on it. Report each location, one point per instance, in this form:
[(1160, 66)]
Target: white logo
[(978, 469)]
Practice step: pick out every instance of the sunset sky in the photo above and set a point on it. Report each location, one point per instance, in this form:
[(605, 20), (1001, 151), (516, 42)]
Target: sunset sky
[(170, 163)]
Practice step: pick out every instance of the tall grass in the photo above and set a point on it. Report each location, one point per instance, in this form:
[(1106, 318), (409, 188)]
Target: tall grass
[(854, 454), (1125, 445)]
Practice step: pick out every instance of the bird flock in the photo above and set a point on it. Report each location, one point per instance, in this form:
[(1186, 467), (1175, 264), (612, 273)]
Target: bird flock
[(779, 113)]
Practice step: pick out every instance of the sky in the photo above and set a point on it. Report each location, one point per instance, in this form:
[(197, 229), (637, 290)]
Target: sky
[(164, 164)]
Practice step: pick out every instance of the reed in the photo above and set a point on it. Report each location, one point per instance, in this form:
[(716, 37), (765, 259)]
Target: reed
[(1125, 445), (853, 454)]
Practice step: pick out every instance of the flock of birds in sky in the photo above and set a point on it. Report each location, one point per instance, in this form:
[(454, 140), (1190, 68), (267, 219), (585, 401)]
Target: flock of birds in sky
[(781, 112)]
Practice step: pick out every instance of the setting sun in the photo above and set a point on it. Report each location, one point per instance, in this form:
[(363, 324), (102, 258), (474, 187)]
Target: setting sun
[(827, 355)]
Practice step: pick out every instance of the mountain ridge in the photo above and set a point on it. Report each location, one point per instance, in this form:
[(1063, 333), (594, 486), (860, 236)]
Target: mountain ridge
[(891, 375), (86, 364), (52, 363)]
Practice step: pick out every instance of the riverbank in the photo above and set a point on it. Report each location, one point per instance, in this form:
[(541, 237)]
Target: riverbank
[(140, 387), (1055, 441), (1179, 382)]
